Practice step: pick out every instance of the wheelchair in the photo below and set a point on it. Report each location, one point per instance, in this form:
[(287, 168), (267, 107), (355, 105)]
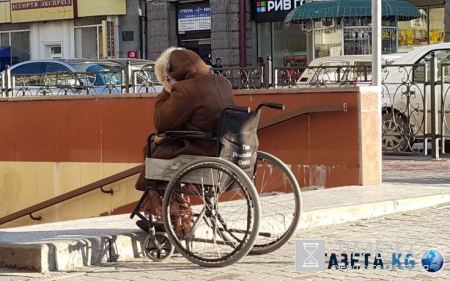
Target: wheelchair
[(242, 202)]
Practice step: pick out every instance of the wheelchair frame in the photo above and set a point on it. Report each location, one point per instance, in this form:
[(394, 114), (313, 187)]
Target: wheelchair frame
[(163, 170)]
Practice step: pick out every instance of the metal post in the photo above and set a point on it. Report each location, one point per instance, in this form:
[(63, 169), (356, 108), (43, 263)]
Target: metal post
[(8, 84), (3, 85), (442, 108), (267, 73), (270, 70), (425, 108), (376, 43), (376, 69), (434, 109), (127, 77)]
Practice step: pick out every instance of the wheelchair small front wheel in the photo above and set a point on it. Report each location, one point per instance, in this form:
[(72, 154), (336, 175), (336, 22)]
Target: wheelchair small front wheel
[(158, 247), (211, 212)]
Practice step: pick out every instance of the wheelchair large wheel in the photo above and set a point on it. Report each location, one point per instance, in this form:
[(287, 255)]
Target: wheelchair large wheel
[(211, 212), (281, 201)]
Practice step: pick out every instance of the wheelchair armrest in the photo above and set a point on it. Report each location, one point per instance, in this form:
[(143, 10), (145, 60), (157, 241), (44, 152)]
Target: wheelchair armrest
[(187, 135), (178, 134)]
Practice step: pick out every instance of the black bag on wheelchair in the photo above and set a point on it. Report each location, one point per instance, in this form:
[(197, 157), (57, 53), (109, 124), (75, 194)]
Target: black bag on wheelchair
[(238, 140)]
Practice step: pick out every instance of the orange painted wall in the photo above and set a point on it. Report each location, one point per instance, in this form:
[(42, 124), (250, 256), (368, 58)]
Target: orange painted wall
[(92, 136), (114, 130)]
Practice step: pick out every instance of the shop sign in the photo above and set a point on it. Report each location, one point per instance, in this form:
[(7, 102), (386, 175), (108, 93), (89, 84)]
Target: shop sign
[(273, 10), (296, 60), (194, 17), (41, 10)]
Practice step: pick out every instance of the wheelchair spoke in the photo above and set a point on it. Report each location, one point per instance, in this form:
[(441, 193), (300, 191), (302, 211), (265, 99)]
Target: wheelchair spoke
[(222, 213)]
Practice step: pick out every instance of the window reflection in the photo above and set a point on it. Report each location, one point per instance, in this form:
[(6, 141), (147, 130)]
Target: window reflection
[(283, 44), (428, 29), (327, 42)]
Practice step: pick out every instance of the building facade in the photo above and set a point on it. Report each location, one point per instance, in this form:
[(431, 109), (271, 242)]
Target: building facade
[(240, 32), (299, 44), (214, 29), (43, 29)]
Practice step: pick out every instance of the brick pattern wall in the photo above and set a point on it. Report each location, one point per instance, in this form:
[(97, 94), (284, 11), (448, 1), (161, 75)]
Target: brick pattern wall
[(225, 31), (161, 29), (251, 36)]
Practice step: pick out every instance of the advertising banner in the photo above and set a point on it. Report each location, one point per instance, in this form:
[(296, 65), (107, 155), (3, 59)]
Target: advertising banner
[(41, 10), (194, 17), (273, 10)]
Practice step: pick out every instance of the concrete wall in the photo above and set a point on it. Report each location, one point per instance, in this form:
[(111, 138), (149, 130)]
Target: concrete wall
[(45, 34), (129, 23), (51, 145)]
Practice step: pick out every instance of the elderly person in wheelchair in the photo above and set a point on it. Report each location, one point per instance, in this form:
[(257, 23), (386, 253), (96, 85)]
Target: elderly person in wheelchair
[(205, 180), (192, 100)]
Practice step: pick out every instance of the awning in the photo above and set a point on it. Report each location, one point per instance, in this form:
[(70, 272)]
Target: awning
[(318, 9)]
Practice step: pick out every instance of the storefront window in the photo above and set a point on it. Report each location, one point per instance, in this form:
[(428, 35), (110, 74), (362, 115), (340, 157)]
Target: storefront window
[(428, 29), (357, 22), (289, 45), (19, 44), (284, 44), (88, 43), (88, 34), (327, 42), (437, 25), (265, 40), (357, 41), (389, 40)]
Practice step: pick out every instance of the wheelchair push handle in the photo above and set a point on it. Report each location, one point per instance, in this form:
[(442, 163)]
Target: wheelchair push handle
[(238, 108), (277, 106)]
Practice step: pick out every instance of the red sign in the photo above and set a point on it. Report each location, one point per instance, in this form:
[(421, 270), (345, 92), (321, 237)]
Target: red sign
[(296, 60), (132, 54)]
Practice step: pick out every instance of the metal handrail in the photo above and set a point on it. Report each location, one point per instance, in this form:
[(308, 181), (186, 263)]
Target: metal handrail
[(135, 170), (71, 194), (301, 111)]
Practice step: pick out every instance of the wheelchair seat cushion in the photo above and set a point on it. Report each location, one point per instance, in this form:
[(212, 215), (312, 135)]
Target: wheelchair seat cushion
[(171, 148)]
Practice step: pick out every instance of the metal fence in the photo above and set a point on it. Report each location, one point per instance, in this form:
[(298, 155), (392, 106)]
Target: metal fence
[(415, 98), (127, 80)]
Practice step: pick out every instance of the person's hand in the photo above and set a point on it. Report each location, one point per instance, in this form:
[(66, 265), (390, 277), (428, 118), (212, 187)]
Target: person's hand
[(158, 139)]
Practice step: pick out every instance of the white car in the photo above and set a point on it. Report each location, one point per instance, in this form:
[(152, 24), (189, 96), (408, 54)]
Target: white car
[(406, 96), (347, 70)]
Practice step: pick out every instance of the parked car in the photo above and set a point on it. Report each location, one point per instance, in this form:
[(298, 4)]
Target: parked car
[(74, 76), (407, 99), (142, 73), (341, 70)]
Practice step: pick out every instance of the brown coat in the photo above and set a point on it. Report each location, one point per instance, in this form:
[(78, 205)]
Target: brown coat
[(192, 100)]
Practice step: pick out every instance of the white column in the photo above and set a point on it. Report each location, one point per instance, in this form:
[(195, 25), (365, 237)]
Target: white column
[(376, 66), (376, 43)]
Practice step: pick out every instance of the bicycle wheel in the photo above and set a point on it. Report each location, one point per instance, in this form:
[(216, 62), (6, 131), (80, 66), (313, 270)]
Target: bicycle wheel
[(281, 201), (211, 212)]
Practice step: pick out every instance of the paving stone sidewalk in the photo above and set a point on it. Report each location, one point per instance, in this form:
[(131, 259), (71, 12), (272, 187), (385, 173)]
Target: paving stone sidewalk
[(416, 170), (429, 225)]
